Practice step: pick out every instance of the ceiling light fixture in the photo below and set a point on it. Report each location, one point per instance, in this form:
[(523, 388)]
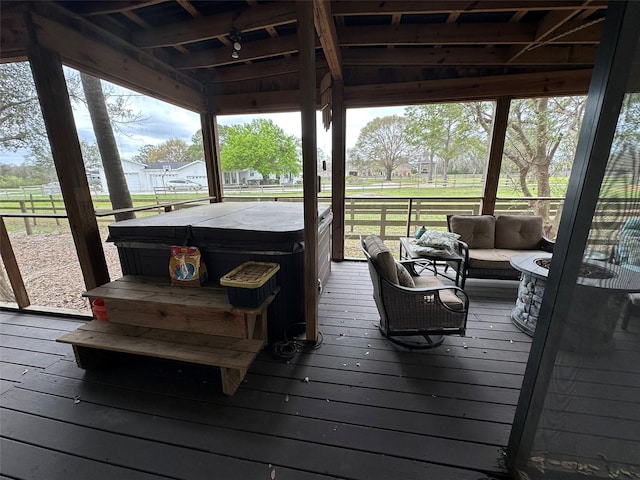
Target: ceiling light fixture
[(236, 39)]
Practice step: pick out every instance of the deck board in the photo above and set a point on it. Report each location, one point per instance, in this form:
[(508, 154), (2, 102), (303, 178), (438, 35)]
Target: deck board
[(397, 414)]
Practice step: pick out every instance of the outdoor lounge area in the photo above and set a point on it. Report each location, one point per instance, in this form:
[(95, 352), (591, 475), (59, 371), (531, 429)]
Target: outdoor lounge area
[(369, 410), (489, 402)]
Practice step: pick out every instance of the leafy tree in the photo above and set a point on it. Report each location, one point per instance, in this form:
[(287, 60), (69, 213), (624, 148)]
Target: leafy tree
[(445, 132), (195, 151), (261, 146), (172, 151), (383, 143), (118, 189), (143, 154), (21, 125)]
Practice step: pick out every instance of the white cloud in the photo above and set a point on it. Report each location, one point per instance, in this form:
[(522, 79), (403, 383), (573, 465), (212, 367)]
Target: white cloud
[(163, 121)]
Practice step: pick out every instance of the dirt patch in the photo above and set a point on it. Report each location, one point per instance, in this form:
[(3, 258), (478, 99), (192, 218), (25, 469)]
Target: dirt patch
[(51, 271)]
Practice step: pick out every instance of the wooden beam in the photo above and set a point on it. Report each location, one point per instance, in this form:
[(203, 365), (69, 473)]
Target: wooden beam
[(211, 145), (498, 135), (206, 28), (121, 67), (549, 23), (574, 82), (11, 266), (272, 47), (576, 33), (189, 7), (440, 34), (306, 39), (48, 77), (88, 9), (134, 17), (338, 168), (468, 56), (14, 40), (435, 6), (326, 30), (252, 71)]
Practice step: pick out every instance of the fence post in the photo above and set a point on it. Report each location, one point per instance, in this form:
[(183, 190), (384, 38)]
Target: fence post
[(33, 208), (383, 221), (352, 215), (27, 225), (410, 207), (53, 207)]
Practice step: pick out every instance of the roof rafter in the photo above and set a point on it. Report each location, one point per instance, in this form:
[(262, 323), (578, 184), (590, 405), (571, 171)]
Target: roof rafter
[(549, 23), (206, 28), (434, 6), (326, 30), (472, 56), (272, 47), (89, 9)]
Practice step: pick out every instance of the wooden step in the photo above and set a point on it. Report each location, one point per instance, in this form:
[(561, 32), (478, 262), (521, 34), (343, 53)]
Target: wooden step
[(152, 302), (234, 356)]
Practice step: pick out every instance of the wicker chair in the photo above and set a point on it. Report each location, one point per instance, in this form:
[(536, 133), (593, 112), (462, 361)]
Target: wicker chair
[(414, 317)]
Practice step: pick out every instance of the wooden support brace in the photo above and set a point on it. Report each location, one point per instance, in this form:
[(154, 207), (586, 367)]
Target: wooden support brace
[(231, 379)]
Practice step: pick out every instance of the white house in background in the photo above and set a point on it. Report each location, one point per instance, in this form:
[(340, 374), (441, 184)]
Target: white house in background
[(251, 177), (142, 177)]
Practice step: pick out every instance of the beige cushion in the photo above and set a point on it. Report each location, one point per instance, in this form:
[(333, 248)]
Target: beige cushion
[(404, 277), (382, 258), (477, 231), (492, 257), (446, 296), (518, 232)]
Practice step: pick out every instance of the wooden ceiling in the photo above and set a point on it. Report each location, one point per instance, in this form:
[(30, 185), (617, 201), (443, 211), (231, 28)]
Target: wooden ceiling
[(385, 52)]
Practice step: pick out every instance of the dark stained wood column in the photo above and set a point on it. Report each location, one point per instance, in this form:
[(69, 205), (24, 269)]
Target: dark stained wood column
[(498, 132), (48, 77), (307, 79), (12, 268), (338, 157), (212, 155)]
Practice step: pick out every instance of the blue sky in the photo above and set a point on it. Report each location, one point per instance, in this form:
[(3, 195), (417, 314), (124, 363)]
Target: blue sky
[(164, 121)]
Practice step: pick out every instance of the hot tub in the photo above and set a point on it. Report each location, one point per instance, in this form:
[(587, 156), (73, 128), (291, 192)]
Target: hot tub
[(229, 234)]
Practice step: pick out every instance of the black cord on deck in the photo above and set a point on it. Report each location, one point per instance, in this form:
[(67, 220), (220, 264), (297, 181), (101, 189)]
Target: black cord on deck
[(288, 348)]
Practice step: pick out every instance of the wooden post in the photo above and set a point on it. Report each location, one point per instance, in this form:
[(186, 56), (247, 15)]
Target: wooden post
[(53, 207), (33, 208), (409, 208), (307, 80), (498, 133), (12, 268), (27, 225), (338, 169), (48, 77), (212, 155)]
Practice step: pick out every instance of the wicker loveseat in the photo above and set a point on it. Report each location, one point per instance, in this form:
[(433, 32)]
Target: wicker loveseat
[(488, 242), (415, 312)]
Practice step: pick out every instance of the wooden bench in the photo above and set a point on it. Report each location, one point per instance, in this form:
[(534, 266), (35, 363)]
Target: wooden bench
[(190, 324)]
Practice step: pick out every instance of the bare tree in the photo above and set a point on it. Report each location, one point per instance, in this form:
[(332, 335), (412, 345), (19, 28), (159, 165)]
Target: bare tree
[(384, 143)]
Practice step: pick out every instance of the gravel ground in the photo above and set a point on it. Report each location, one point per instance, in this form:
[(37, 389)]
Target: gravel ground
[(51, 271)]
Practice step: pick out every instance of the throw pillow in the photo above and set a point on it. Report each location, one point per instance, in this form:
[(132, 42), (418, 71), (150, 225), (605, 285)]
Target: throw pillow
[(404, 277), (437, 239)]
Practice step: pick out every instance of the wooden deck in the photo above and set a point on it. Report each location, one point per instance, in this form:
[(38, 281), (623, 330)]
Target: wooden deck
[(369, 410)]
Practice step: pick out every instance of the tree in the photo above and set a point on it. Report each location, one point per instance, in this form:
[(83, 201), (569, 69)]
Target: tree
[(143, 154), (445, 132), (262, 146), (173, 150), (539, 131), (118, 189), (383, 143), (20, 128), (195, 151)]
